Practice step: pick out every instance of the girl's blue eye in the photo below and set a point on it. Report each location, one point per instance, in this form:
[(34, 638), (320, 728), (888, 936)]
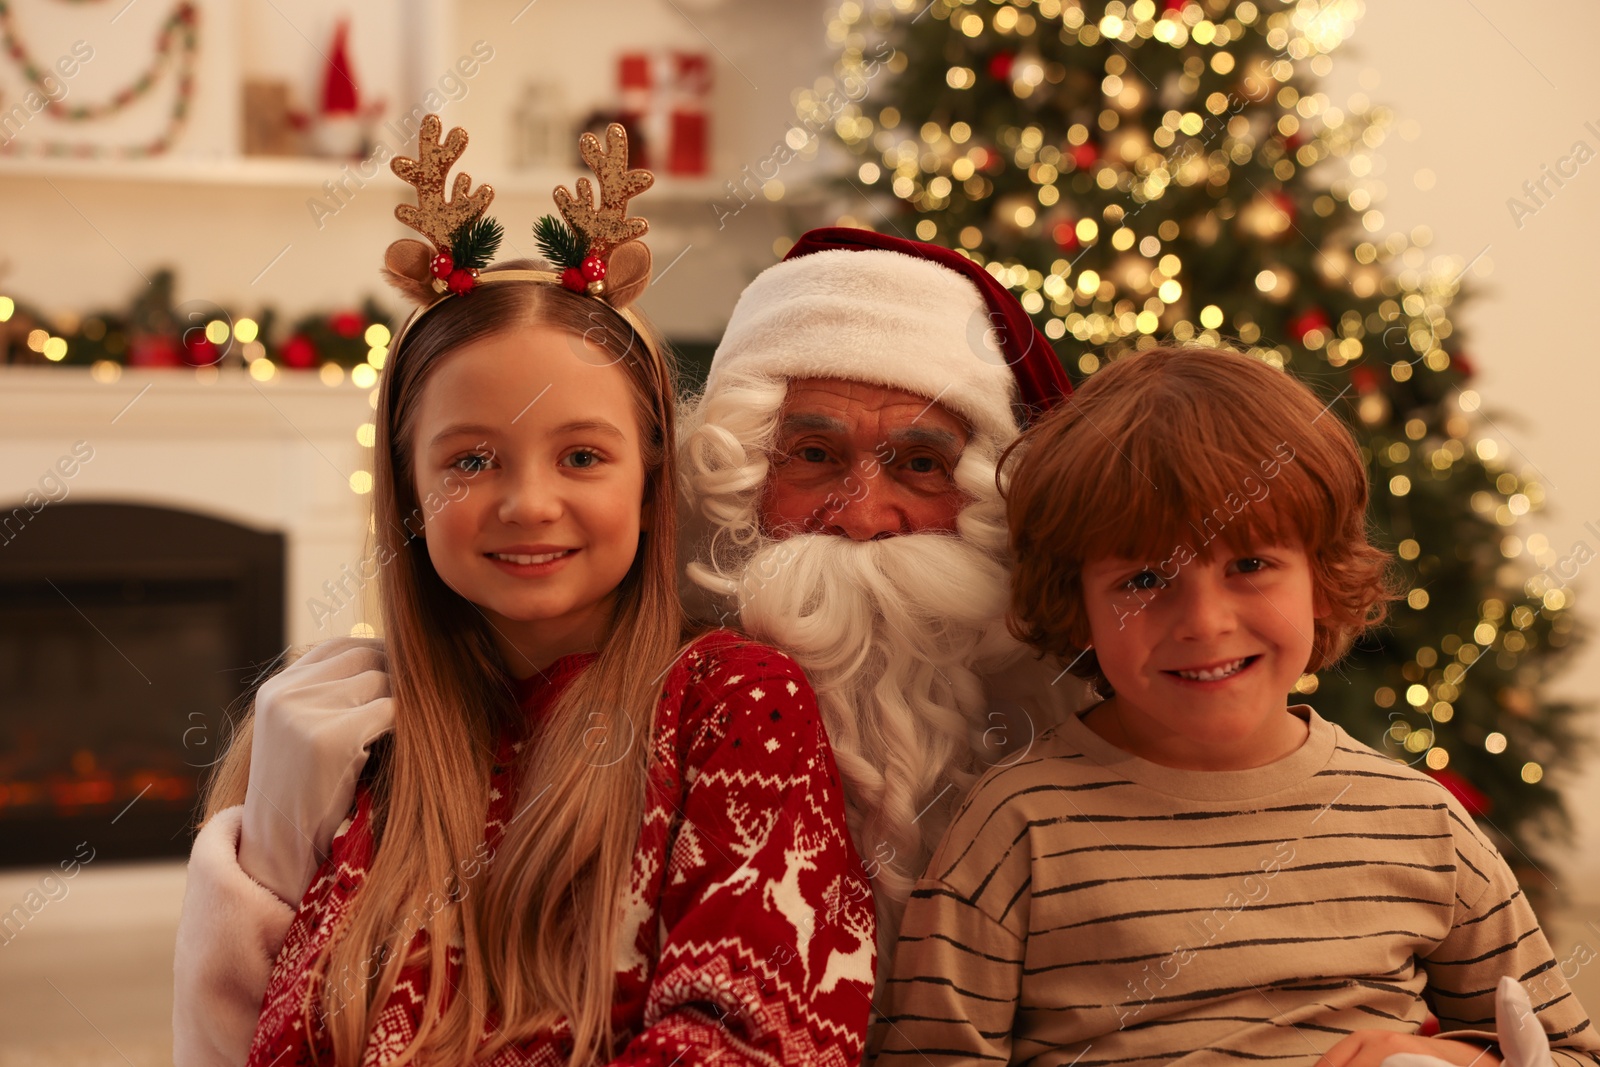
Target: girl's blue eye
[(583, 459), (475, 463)]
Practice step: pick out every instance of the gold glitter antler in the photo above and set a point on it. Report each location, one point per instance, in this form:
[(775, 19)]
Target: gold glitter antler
[(608, 225), (433, 216)]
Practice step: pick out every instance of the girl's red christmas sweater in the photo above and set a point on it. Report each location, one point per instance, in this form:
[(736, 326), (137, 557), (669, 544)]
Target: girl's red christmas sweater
[(748, 931)]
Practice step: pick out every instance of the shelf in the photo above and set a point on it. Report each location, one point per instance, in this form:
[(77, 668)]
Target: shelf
[(309, 174), (260, 172)]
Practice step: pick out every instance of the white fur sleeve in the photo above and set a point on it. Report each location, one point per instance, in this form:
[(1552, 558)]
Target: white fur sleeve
[(228, 936)]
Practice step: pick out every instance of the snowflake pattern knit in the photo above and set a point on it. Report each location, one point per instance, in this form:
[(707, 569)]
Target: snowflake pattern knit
[(748, 926)]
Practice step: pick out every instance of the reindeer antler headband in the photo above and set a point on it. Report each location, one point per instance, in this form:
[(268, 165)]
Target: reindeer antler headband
[(597, 250)]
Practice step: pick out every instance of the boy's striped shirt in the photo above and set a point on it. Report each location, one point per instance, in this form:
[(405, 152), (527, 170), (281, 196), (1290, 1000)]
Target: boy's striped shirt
[(1091, 908)]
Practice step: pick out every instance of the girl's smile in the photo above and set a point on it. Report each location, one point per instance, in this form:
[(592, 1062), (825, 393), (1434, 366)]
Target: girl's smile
[(531, 560)]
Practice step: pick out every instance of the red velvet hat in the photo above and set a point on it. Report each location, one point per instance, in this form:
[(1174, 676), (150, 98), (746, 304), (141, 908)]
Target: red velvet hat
[(1041, 380)]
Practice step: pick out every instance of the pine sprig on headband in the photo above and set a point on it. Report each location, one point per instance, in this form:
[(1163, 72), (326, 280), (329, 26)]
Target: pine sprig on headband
[(563, 246), (473, 244)]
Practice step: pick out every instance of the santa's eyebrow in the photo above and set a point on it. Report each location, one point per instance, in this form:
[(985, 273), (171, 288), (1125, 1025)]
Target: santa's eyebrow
[(822, 423), (922, 435)]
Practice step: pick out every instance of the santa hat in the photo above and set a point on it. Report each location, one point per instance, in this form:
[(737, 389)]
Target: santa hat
[(853, 304)]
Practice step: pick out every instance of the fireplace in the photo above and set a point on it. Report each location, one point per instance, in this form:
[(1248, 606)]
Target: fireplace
[(129, 637)]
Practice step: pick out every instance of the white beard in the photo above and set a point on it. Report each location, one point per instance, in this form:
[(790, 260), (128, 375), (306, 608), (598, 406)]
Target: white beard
[(894, 636)]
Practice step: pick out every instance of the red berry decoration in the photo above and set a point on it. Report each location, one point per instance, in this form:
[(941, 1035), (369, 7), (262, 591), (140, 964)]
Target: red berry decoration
[(573, 279), (442, 265), (157, 350), (463, 281), (347, 323), (594, 268), (197, 351), (298, 352)]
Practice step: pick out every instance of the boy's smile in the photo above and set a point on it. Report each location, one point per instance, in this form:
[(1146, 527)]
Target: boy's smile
[(1202, 660), (1215, 673)]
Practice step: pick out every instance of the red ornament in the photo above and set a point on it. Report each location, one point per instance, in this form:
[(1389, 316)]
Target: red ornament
[(1176, 5), (153, 351), (1470, 796), (1304, 323), (1066, 236), (594, 268), (347, 323), (298, 352), (572, 278), (1000, 65), (1284, 203), (197, 351), (463, 281), (1085, 155), (442, 265), (1365, 379), (1462, 365)]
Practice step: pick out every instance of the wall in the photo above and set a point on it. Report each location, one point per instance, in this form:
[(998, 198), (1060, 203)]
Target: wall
[(245, 233), (1487, 95)]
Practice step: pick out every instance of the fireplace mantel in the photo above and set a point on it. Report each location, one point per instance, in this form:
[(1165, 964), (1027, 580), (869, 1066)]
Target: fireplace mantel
[(276, 456)]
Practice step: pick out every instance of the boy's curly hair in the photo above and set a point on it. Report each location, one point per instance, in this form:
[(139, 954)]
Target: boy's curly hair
[(1178, 447)]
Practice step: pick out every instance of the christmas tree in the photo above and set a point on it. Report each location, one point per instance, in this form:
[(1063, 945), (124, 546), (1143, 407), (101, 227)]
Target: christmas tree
[(1151, 172)]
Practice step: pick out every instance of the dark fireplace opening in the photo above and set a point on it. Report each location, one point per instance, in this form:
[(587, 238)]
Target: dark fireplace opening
[(128, 637)]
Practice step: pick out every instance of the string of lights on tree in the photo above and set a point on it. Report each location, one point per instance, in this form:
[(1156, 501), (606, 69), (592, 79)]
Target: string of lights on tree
[(1147, 172)]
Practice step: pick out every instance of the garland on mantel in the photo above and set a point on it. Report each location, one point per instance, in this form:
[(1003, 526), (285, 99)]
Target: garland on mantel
[(184, 20), (156, 331)]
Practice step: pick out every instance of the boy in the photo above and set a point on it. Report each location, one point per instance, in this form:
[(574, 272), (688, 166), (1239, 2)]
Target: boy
[(1195, 871)]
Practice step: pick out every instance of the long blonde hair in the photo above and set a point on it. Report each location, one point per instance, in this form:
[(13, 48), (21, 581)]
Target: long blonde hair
[(538, 931)]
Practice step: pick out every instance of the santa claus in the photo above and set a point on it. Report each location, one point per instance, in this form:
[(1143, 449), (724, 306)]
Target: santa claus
[(840, 471)]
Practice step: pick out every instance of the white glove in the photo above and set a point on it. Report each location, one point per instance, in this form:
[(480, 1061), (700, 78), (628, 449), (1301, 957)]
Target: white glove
[(314, 722), (1523, 1042)]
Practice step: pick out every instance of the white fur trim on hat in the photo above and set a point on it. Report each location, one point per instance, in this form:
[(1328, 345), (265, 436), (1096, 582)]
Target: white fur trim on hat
[(873, 316)]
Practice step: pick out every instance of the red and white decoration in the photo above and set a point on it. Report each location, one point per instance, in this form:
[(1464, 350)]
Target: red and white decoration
[(665, 97)]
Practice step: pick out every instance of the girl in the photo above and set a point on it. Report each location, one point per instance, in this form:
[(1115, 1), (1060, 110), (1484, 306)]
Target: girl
[(590, 839)]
